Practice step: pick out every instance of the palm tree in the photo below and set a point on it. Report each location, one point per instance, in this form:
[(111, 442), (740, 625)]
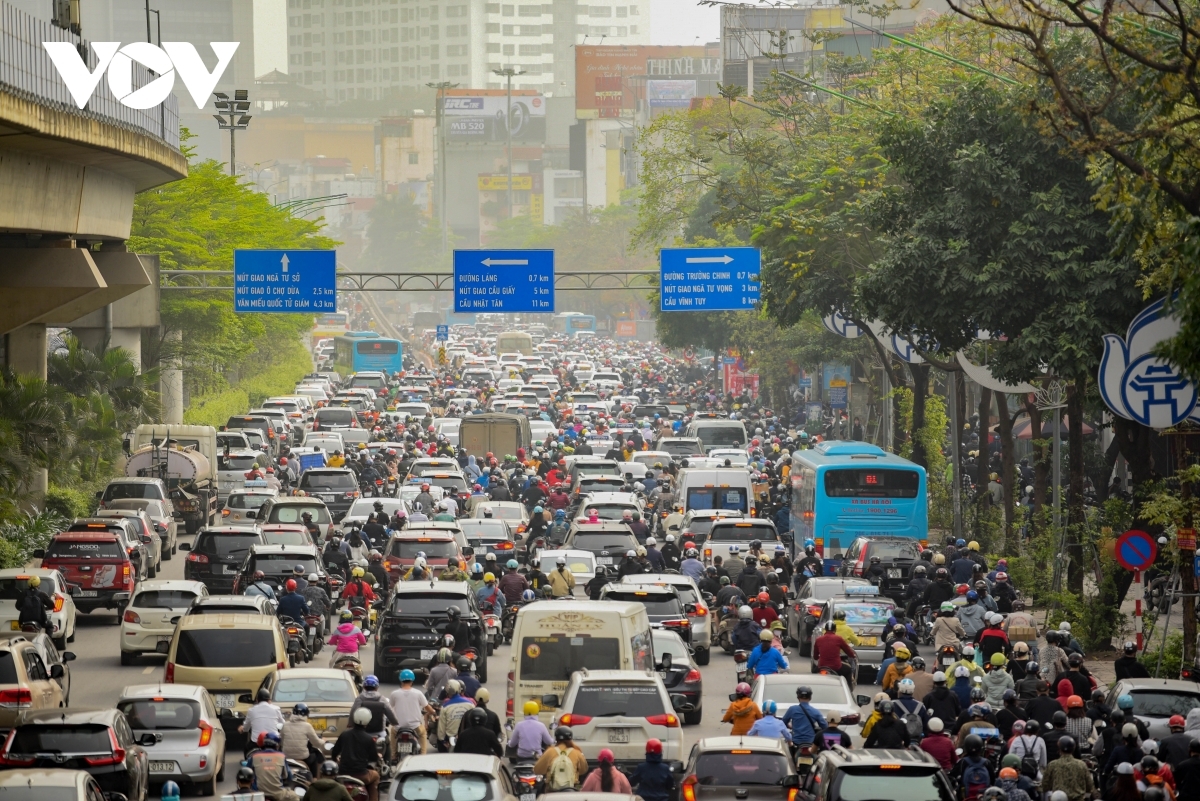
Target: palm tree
[(33, 428), (81, 371)]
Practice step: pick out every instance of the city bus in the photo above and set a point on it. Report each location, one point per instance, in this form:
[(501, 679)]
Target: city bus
[(333, 324), (355, 354), (578, 323), (842, 490), (514, 342)]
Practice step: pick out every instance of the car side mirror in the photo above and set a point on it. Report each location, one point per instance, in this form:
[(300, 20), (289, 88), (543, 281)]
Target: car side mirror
[(146, 539), (550, 700), (99, 494), (56, 671), (68, 656), (862, 700), (246, 698), (792, 780), (688, 608), (665, 664), (185, 546), (150, 738), (680, 703), (39, 553)]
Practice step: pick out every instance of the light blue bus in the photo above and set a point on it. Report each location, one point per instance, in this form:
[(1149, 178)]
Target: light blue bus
[(354, 354), (842, 490)]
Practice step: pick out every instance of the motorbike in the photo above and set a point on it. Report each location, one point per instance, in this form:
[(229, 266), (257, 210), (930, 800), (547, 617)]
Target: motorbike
[(391, 487), (509, 622), (297, 641), (924, 626), (804, 753), (314, 642), (494, 636), (529, 784), (741, 659), (947, 655), (355, 787), (407, 743), (351, 664), (725, 630), (1191, 672)]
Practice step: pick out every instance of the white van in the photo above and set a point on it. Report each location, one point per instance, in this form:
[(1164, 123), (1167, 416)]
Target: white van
[(715, 488), (553, 639), (716, 432)]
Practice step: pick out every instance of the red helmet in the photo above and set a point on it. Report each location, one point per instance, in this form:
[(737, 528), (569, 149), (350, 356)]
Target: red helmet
[(743, 689), (290, 586), (654, 746), (764, 597)]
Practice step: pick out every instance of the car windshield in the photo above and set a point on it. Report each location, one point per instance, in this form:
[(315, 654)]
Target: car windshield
[(131, 490), (444, 787), (596, 468), (225, 648), (601, 484), (8, 671), (903, 784), (741, 532), (603, 541), (277, 563), (211, 542), (717, 498), (338, 417), (287, 536), (477, 527), (680, 447), (823, 591), (740, 769), (556, 657), (609, 511), (164, 599), (294, 513), (313, 691), (1156, 704), (455, 483), (608, 700), (669, 644), (243, 501), (313, 480), (160, 714), (433, 549), (84, 549), (887, 550), (61, 739), (12, 589), (504, 512), (235, 462), (864, 614), (782, 690), (426, 604), (656, 605)]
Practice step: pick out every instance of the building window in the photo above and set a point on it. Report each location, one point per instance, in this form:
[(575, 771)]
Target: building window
[(508, 30), (530, 50), (633, 11), (622, 31), (493, 8), (508, 11), (633, 30), (493, 47), (622, 11), (510, 50), (600, 11), (493, 27), (529, 11)]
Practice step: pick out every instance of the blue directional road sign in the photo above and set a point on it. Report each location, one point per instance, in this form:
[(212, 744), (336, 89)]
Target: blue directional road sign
[(499, 281), (295, 281), (443, 333), (709, 279)]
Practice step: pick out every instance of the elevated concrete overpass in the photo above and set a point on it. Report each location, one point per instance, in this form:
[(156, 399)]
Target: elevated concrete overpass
[(67, 181)]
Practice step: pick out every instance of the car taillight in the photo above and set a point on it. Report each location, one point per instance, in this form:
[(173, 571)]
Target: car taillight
[(692, 676), (814, 610), (676, 623), (206, 733), (508, 706), (689, 788), (128, 578), (224, 513), (668, 720), (16, 699), (701, 611), (169, 673), (59, 600), (574, 720), (281, 665), (708, 553), (115, 758), (197, 558), (858, 568), (793, 792), (132, 616)]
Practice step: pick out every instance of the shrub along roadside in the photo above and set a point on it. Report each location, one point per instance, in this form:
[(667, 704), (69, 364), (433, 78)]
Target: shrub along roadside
[(280, 378)]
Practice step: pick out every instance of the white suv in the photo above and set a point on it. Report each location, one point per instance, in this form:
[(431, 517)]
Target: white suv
[(621, 710)]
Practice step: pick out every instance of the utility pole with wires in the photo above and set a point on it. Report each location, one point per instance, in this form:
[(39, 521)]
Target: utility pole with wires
[(441, 87), (508, 73)]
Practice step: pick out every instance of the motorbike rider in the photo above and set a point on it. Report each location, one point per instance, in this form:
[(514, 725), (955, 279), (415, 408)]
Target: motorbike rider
[(456, 627), (657, 563), (299, 740), (710, 583), (375, 531), (941, 590), (775, 591), (347, 638), (318, 601), (425, 498), (259, 586), (734, 564), (271, 770), (810, 564), (512, 583), (441, 673), (262, 718), (326, 787), (765, 660), (596, 584), (914, 593), (653, 778), (946, 630), (411, 707), (359, 587), (35, 605), (804, 719), (311, 527), (376, 570), (489, 596), (691, 566), (750, 581), (335, 558), (454, 708), (562, 580), (671, 554), (530, 736), (875, 572), (474, 736), (745, 633), (381, 711), (470, 684), (355, 751), (843, 628), (828, 649), (1127, 666)]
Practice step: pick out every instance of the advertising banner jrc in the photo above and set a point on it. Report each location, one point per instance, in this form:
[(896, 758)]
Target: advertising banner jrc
[(478, 115)]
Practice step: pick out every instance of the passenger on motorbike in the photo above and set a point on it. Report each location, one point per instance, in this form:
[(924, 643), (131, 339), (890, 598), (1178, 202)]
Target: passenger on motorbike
[(828, 649), (347, 638), (35, 605), (292, 603), (271, 770), (325, 787), (765, 660), (259, 586), (745, 633), (947, 631), (300, 741)]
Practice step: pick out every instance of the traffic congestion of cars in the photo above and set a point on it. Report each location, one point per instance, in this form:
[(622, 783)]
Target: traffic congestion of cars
[(530, 562)]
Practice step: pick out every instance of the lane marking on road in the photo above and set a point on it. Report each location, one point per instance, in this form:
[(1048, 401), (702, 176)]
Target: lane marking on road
[(148, 671)]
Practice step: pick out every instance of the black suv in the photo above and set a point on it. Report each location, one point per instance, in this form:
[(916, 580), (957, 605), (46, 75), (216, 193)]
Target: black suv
[(897, 556), (663, 606), (876, 773), (277, 562), (217, 555), (337, 487), (411, 627), (607, 540)]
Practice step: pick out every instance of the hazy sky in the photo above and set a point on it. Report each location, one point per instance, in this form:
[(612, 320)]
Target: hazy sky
[(672, 22)]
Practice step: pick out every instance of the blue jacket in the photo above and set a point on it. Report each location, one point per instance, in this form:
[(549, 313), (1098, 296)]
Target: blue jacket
[(770, 726), (470, 684), (656, 559), (692, 568), (798, 722), (764, 664), (653, 779), (293, 605)]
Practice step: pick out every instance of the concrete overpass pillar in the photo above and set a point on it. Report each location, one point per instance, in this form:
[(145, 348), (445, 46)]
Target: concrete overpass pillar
[(171, 385), (26, 355), (131, 340)]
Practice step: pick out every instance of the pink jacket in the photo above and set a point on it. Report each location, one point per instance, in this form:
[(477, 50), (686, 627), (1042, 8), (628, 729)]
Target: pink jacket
[(347, 638)]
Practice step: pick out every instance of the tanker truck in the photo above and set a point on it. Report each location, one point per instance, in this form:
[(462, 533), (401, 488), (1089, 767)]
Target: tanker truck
[(182, 456)]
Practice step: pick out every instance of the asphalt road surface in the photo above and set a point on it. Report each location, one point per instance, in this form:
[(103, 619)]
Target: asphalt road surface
[(98, 677)]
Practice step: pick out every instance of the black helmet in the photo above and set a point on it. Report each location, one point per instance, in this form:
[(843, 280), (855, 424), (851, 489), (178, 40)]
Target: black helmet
[(300, 709), (453, 612), (246, 774), (263, 695), (977, 694), (803, 691), (476, 717), (917, 662), (1051, 637), (941, 573), (875, 560), (1032, 726), (973, 744), (1059, 718), (1150, 764), (1154, 794), (463, 663), (1098, 695), (328, 768), (562, 734), (1066, 745), (1130, 649)]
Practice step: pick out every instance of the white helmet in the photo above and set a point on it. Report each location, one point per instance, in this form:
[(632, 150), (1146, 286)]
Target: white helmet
[(419, 562), (745, 613), (670, 538), (1064, 626), (362, 716), (313, 578), (734, 549), (651, 541)]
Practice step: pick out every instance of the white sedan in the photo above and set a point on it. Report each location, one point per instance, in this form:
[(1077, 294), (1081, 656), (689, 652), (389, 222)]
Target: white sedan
[(13, 583), (150, 617)]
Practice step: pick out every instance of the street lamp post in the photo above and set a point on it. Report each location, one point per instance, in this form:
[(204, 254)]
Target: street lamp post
[(441, 87), (508, 73), (232, 117)]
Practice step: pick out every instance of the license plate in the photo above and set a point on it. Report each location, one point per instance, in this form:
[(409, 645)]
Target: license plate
[(428, 653), (948, 660), (404, 749), (618, 735), (86, 594), (162, 767), (895, 572), (164, 638), (868, 640), (319, 724), (804, 760), (312, 630), (604, 560), (226, 700), (229, 569), (527, 797)]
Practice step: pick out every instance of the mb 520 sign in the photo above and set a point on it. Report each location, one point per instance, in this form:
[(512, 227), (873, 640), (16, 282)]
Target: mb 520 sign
[(285, 281), (709, 279)]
